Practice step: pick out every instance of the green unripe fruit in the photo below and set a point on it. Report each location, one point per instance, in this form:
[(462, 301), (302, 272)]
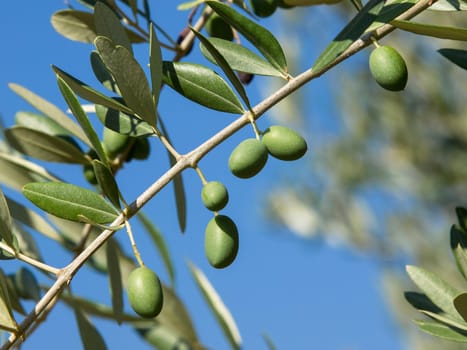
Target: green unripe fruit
[(141, 149), (114, 143), (221, 241), (218, 28), (284, 143), (214, 196), (248, 158), (89, 174), (388, 68), (263, 8), (145, 292)]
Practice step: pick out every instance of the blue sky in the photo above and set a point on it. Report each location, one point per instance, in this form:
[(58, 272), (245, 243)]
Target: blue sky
[(303, 294)]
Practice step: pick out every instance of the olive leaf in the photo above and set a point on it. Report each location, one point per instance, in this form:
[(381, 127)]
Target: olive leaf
[(6, 225), (351, 32), (90, 336), (40, 145), (49, 110), (7, 320), (108, 24), (449, 5), (220, 311), (69, 201), (33, 220), (79, 26), (155, 64), (101, 73), (437, 290), (82, 118), (90, 94), (130, 78), (460, 303), (115, 279), (123, 123), (160, 244), (442, 32), (224, 65), (259, 36), (456, 56), (458, 243), (240, 58), (202, 85), (442, 331), (107, 183)]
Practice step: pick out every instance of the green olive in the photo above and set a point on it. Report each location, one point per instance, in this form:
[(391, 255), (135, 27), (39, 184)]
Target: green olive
[(114, 143), (141, 149), (89, 174), (284, 143), (214, 195), (221, 241), (248, 158), (218, 28), (263, 8), (388, 68), (145, 292)]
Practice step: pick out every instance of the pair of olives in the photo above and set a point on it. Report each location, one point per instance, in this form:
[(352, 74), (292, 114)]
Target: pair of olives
[(251, 155), (388, 68)]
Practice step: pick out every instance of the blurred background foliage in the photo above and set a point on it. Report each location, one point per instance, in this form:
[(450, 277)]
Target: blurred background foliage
[(386, 169)]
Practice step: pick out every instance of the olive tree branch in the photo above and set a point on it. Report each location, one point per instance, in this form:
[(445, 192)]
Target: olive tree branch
[(190, 160)]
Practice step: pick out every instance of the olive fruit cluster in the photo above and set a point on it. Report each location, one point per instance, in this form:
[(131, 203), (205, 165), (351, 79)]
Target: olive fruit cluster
[(388, 68), (263, 8), (251, 155), (144, 291)]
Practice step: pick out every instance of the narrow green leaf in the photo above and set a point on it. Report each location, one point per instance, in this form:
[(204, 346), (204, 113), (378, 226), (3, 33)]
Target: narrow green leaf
[(160, 244), (43, 146), (74, 25), (7, 321), (447, 320), (458, 57), (179, 188), (26, 243), (461, 214), (22, 169), (390, 11), (49, 110), (240, 58), (202, 85), (68, 201), (449, 5), (5, 221), (222, 63), (459, 248), (220, 311), (88, 93), (189, 5), (33, 220), (79, 26), (102, 74), (13, 297), (108, 24), (27, 285), (460, 303), (421, 302), (115, 280), (259, 36), (269, 342), (90, 336), (130, 78), (439, 292), (155, 64), (82, 118), (442, 32), (442, 331), (107, 182), (123, 123), (351, 32)]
